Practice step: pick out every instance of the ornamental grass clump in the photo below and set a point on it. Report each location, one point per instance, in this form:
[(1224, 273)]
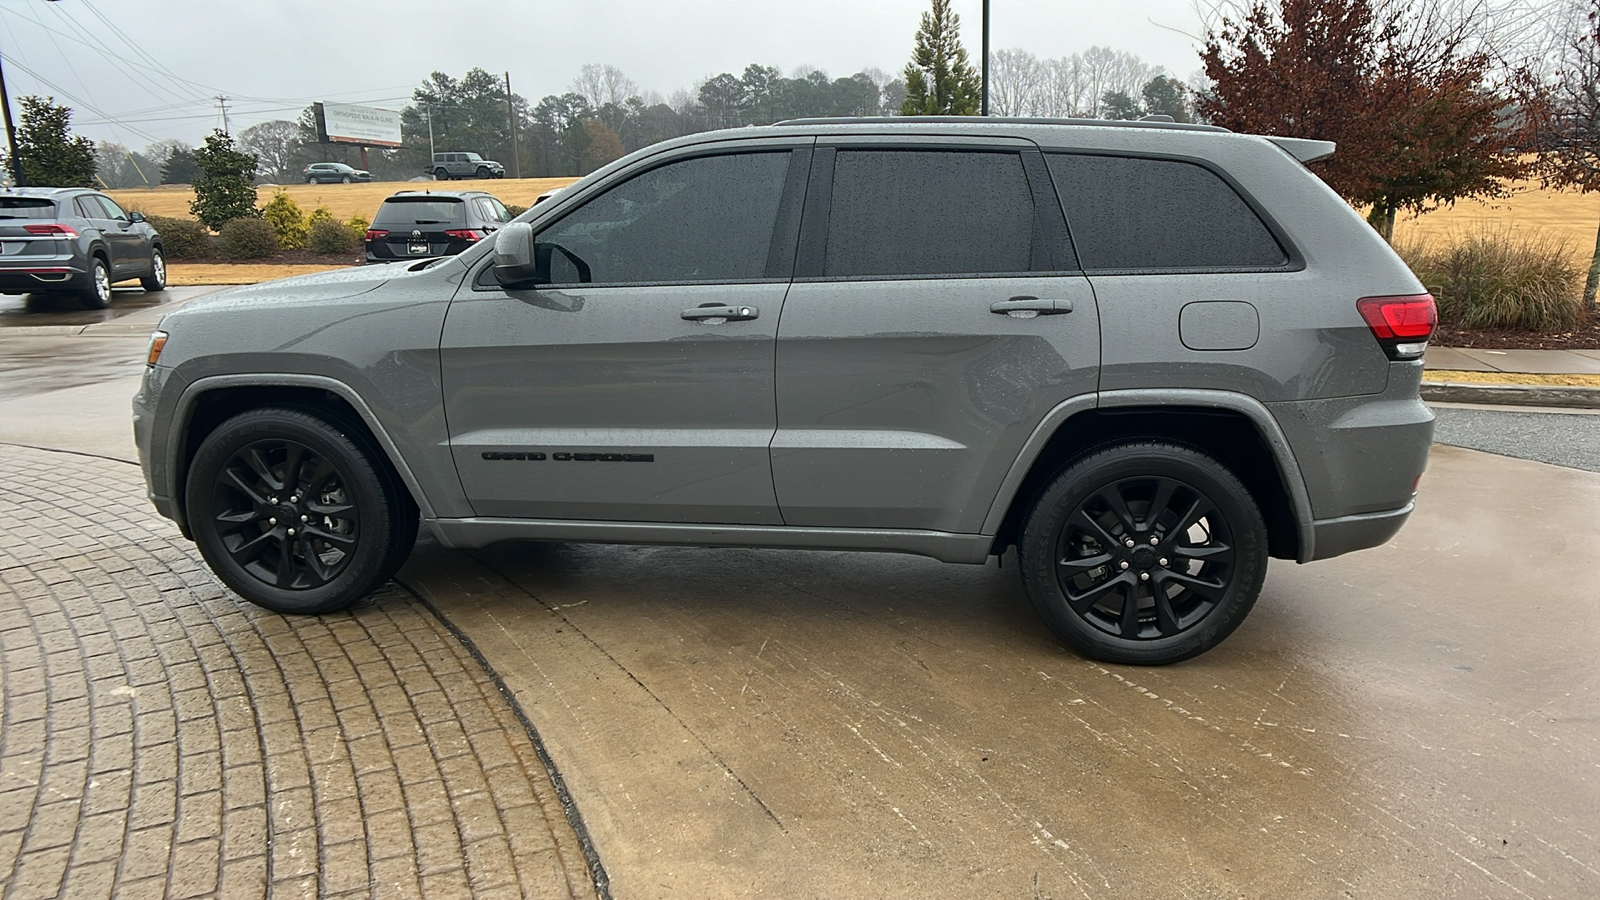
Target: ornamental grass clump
[(1501, 278)]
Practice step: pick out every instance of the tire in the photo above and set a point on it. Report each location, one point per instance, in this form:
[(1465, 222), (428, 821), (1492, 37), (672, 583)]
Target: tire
[(98, 294), (267, 472), (1134, 523), (441, 175), (310, 180), (345, 179), (483, 172), (157, 279)]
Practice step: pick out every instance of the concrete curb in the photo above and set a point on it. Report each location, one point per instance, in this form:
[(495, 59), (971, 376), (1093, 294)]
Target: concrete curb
[(1513, 394)]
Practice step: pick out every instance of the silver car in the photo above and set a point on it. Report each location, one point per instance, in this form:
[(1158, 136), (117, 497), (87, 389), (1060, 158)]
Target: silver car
[(1147, 356), (75, 241)]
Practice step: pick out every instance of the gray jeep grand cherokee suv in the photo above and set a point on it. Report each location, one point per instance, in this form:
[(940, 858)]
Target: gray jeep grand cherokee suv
[(1147, 356)]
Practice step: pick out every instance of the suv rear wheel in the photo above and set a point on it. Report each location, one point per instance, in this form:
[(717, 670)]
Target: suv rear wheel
[(441, 174), (295, 513), (98, 294), (1144, 553)]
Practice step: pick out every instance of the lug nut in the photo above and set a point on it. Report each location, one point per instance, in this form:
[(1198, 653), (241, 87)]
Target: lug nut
[(308, 518), (291, 532), (272, 521), (1162, 562), (1124, 564), (1143, 576), (1128, 542), (1154, 540), (272, 499)]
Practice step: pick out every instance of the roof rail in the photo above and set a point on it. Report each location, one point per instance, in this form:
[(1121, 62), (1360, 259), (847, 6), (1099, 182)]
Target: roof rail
[(1002, 120)]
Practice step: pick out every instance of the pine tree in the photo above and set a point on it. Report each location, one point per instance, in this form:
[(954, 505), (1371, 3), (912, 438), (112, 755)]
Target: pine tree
[(50, 155), (940, 80)]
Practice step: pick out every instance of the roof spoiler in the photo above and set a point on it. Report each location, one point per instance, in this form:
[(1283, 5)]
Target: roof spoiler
[(1304, 150)]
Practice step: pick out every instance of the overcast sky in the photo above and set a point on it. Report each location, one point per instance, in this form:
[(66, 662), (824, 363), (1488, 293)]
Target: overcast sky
[(274, 58)]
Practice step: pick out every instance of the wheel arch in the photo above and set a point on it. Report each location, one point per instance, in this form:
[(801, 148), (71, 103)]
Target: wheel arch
[(211, 401), (1237, 430)]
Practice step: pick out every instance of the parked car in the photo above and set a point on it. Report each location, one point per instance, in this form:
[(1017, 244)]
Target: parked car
[(75, 241), (324, 172), (414, 225), (463, 165), (1148, 356)]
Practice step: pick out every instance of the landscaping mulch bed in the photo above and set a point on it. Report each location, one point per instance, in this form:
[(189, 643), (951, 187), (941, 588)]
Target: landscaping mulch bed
[(1584, 337), (283, 258)]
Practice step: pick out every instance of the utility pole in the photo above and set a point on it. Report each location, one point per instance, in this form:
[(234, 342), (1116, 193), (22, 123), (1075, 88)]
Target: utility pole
[(985, 95), (431, 152), (223, 102), (11, 129), (511, 120)]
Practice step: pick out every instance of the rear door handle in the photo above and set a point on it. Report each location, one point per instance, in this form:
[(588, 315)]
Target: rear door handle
[(717, 313), (1028, 307)]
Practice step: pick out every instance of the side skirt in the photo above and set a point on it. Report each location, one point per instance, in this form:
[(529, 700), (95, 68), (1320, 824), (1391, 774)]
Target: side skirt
[(940, 545)]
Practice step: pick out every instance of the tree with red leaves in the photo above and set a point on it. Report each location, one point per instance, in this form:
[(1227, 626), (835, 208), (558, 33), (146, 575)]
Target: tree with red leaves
[(1410, 92)]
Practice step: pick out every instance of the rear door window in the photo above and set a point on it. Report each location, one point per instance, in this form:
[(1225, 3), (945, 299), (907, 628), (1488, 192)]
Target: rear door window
[(408, 212), (910, 213), (1130, 214), (27, 208), (700, 220)]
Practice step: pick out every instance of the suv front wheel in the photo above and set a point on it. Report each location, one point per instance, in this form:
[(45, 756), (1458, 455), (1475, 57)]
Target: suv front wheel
[(295, 513), (1143, 553)]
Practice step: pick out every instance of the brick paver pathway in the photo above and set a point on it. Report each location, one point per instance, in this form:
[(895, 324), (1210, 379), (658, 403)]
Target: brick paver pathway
[(160, 738)]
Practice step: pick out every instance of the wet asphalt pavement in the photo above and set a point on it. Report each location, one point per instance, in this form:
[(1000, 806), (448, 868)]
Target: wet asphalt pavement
[(1559, 438)]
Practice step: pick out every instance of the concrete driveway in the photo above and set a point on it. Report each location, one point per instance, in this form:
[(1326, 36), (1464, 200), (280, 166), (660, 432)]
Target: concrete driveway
[(1416, 720), (1422, 719)]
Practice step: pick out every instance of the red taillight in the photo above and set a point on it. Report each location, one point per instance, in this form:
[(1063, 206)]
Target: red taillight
[(1402, 325), (464, 234), (51, 230), (1403, 318), (376, 234)]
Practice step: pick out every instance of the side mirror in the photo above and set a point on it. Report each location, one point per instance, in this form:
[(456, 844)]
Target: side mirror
[(514, 259), (136, 217)]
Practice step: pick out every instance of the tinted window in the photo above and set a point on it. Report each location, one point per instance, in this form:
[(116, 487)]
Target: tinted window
[(408, 211), (26, 208), (699, 220), (90, 209), (112, 209), (917, 212), (1128, 213)]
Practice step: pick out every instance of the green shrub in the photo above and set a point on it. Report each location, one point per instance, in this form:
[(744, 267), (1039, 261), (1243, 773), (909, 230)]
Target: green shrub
[(515, 210), (319, 214), (1500, 279), (288, 223), (247, 239), (329, 236), (358, 226), (182, 238)]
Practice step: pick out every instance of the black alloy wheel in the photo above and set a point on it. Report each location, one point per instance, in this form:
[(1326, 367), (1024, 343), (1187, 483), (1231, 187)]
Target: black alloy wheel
[(1145, 553), (295, 513)]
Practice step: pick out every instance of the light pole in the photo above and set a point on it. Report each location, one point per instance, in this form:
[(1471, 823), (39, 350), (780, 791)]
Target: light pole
[(985, 95)]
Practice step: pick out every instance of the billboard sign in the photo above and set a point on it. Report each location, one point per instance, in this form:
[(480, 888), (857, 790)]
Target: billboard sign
[(347, 123)]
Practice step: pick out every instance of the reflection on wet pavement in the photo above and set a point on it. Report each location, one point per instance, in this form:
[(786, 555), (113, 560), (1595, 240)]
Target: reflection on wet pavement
[(66, 309)]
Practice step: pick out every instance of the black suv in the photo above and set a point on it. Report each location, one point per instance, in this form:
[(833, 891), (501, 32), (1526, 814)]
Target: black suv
[(420, 224), (75, 241)]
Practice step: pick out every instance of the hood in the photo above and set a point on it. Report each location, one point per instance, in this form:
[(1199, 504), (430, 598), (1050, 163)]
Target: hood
[(301, 290)]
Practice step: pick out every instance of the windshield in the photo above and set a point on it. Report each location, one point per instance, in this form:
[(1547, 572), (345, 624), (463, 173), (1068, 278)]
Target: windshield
[(27, 208), (408, 211)]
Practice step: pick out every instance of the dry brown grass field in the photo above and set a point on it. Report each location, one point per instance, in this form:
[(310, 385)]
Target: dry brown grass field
[(1568, 215), (345, 200)]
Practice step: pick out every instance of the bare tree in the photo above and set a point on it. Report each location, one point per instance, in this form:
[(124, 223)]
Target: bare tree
[(276, 145), (1574, 142), (1016, 80), (602, 84)]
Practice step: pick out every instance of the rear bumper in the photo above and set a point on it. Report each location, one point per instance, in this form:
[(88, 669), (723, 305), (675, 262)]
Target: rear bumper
[(1346, 534), (43, 277)]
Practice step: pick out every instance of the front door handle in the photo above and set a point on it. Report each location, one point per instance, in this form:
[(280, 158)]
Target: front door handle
[(1028, 307), (717, 313)]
